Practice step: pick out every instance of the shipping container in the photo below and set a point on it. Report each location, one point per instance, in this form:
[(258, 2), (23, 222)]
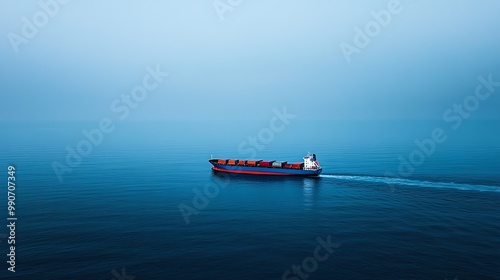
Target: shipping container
[(253, 162), (298, 165), (267, 163), (232, 162), (288, 165), (221, 161), (242, 162), (279, 164)]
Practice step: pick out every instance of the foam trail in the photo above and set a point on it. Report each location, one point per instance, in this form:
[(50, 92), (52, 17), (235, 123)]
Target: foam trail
[(418, 183)]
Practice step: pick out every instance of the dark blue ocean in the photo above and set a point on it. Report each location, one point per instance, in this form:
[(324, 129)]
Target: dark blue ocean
[(119, 213)]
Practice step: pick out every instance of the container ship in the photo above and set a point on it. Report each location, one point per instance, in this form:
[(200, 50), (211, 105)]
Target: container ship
[(308, 167)]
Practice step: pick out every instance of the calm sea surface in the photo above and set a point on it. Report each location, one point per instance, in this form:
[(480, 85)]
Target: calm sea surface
[(117, 214)]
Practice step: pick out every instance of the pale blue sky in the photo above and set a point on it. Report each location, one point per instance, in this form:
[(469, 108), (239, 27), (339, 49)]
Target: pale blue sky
[(263, 55)]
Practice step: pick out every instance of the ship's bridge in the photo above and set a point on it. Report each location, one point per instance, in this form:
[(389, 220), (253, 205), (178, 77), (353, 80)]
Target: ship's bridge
[(310, 162)]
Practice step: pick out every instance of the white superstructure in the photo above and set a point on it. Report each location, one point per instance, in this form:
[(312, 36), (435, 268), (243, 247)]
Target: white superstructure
[(310, 162)]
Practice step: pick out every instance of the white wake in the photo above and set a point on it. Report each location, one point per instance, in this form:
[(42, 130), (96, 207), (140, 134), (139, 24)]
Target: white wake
[(410, 182)]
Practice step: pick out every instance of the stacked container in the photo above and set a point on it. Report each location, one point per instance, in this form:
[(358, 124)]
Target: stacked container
[(253, 162), (298, 165), (267, 163), (279, 164)]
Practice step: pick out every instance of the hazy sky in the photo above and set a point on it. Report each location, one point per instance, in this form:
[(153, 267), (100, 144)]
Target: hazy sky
[(262, 55)]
